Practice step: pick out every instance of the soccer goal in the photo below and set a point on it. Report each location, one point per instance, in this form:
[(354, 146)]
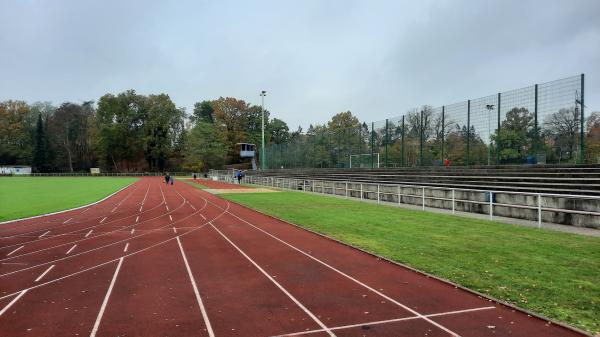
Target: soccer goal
[(364, 160)]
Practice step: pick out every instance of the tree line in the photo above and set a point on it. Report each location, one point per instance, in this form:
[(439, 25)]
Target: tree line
[(427, 137), (130, 132)]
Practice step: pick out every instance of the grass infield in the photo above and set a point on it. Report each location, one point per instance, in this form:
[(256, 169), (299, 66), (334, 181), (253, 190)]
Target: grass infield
[(553, 273), (22, 197)]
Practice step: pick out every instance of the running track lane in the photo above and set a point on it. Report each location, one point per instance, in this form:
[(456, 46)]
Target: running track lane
[(224, 270)]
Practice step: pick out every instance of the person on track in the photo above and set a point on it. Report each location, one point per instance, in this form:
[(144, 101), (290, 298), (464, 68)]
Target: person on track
[(194, 176), (167, 177), (171, 180)]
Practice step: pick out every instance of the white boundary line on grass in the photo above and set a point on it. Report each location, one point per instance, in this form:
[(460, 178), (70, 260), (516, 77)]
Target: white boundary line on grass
[(67, 210)]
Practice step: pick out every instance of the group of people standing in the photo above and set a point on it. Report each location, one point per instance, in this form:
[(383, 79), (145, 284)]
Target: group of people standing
[(168, 179)]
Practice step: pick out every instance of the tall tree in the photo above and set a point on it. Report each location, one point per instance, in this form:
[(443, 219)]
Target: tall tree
[(203, 112), (16, 130), (40, 158), (279, 131), (162, 126), (205, 148)]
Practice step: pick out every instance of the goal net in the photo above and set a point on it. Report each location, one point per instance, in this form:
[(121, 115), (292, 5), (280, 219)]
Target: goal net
[(364, 160)]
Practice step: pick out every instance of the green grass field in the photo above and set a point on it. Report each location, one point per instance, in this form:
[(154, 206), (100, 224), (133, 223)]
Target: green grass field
[(552, 273), (27, 196)]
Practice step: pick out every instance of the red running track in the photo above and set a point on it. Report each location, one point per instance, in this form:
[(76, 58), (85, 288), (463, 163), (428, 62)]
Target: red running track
[(162, 260)]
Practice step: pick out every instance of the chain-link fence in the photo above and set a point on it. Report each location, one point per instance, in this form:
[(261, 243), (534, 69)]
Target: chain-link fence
[(539, 124)]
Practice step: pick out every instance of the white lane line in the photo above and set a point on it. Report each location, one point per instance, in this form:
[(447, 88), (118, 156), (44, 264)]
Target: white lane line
[(13, 302), (145, 195), (87, 209), (196, 292), (70, 250), (101, 221), (44, 273), (114, 209), (88, 233), (41, 236), (167, 207), (203, 217), (14, 251), (126, 246), (414, 312), (306, 332), (69, 219), (105, 301), (132, 230), (192, 206), (174, 230), (170, 217), (107, 262), (137, 218), (308, 312), (141, 207)]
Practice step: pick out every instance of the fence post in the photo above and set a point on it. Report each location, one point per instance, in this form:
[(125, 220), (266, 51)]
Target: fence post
[(346, 190), (421, 140), (402, 154), (377, 194), (498, 132), (468, 132), (535, 121), (539, 197), (398, 195), (443, 131), (386, 142), (491, 205), (372, 144), (452, 201), (581, 119), (423, 195)]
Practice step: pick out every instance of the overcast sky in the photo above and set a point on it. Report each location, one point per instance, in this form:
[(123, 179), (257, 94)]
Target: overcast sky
[(315, 58)]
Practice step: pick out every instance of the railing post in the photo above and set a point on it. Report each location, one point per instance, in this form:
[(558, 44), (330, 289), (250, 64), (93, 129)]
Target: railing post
[(452, 201), (423, 195), (304, 185), (346, 190), (539, 197), (377, 194), (361, 191), (398, 195)]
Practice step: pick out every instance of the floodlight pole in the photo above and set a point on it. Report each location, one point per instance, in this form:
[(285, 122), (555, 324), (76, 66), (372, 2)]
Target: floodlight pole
[(262, 147), (489, 108)]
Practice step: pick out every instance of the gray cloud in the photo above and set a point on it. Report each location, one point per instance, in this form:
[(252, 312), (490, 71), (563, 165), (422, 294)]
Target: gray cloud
[(316, 58)]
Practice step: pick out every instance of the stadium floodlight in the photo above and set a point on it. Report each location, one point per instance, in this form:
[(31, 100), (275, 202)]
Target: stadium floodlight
[(262, 147), (489, 108)]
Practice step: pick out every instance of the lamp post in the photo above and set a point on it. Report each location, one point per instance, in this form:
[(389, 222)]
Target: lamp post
[(262, 147), (489, 108)]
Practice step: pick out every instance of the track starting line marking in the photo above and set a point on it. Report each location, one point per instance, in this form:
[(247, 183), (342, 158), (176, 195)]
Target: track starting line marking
[(101, 221), (44, 273), (14, 251), (67, 220), (126, 246), (13, 302), (70, 250), (137, 218), (88, 233), (41, 236)]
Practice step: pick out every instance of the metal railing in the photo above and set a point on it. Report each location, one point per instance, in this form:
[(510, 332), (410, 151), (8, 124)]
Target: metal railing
[(103, 174), (519, 205)]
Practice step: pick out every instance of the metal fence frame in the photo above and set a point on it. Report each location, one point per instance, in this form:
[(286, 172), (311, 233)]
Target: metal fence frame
[(365, 191)]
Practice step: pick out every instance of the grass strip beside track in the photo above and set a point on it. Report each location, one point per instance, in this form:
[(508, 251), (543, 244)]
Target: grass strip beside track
[(22, 197), (553, 273)]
